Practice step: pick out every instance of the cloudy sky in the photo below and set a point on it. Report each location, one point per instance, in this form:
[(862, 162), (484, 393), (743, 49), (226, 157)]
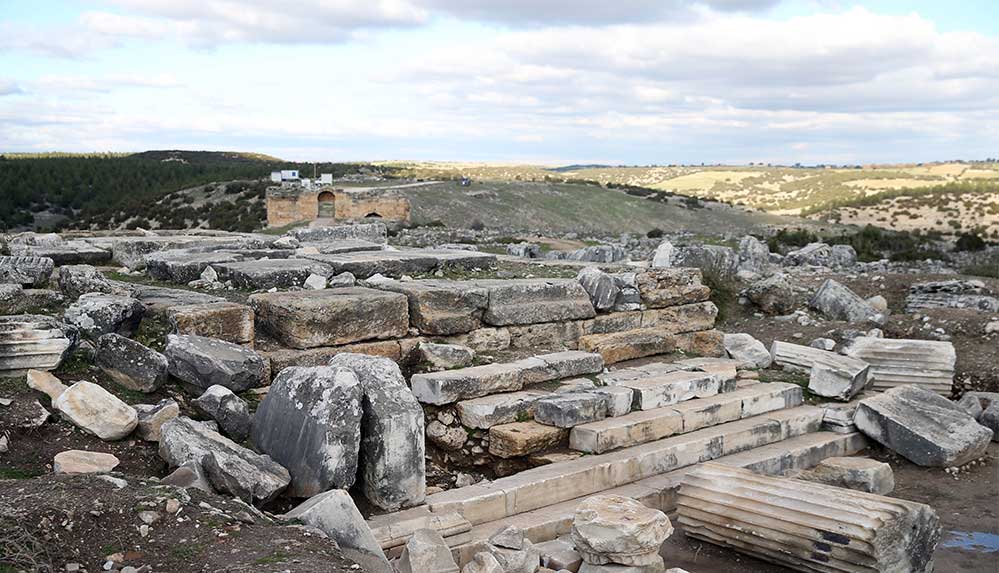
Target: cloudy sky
[(554, 81)]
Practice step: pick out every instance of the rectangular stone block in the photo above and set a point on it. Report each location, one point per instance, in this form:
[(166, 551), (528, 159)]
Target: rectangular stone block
[(572, 409), (615, 322), (701, 343), (522, 438), (660, 288), (271, 273), (442, 307), (624, 431), (489, 411), (895, 361), (548, 335), (330, 317), (802, 358), (453, 385), (532, 301), (227, 321), (672, 388), (398, 263), (628, 345), (683, 318), (320, 356)]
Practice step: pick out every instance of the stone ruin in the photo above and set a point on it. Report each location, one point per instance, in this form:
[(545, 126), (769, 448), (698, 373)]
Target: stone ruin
[(370, 378)]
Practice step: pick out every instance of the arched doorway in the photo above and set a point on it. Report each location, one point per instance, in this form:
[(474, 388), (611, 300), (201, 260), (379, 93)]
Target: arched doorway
[(372, 215), (327, 205)]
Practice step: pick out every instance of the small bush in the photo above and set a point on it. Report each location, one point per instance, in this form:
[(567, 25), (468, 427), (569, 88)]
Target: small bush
[(477, 225), (969, 242), (656, 233)]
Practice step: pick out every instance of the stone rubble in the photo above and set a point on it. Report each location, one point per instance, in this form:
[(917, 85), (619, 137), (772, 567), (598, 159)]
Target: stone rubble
[(229, 410), (613, 529), (97, 411), (131, 364), (200, 362), (97, 314), (83, 462)]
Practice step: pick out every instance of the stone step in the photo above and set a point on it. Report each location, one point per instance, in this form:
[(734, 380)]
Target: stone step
[(365, 264), (668, 389), (927, 363), (660, 491), (554, 483), (650, 425)]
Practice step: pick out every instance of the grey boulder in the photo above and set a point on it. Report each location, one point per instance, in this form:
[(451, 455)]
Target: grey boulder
[(131, 364), (445, 356), (226, 408), (201, 362), (76, 280), (773, 295), (310, 421), (426, 552), (334, 513), (750, 353), (836, 302), (97, 314), (26, 271), (601, 287)]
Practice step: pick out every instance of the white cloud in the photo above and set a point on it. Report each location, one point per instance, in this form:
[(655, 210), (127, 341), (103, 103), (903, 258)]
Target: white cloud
[(9, 87)]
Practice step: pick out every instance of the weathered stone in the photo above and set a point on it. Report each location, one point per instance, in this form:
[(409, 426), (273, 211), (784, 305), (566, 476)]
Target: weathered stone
[(524, 249), (158, 300), (202, 362), (398, 263), (330, 317), (310, 422), (76, 280), (716, 260), (860, 474), (270, 273), (63, 252), (800, 358), (753, 255), (95, 410), (773, 295), (153, 416), (33, 342), (747, 350), (496, 409), (709, 343), (837, 302), (671, 388), (525, 560), (26, 271), (565, 364), (226, 408), (922, 426), (618, 529), (484, 339), (335, 514), (972, 405), (45, 383), (628, 297), (442, 307), (600, 286), (660, 288), (522, 438), (186, 265), (681, 318), (229, 467), (392, 447), (806, 526), (131, 364), (426, 552), (529, 301), (663, 256), (371, 232), (483, 562), (619, 399), (449, 438), (927, 363), (559, 554), (226, 321), (132, 251), (990, 419), (445, 356), (620, 346), (827, 344), (568, 410), (821, 254), (83, 462), (189, 475), (835, 383), (969, 294), (625, 431), (97, 314), (598, 254)]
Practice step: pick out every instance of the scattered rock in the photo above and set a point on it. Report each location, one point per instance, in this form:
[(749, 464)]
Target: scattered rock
[(827, 344), (83, 462), (600, 286), (483, 562), (131, 364), (153, 416), (751, 353), (315, 282), (524, 249), (822, 255), (836, 302), (97, 411), (226, 408), (616, 529), (26, 271), (861, 474), (97, 314), (201, 362), (774, 295), (426, 552)]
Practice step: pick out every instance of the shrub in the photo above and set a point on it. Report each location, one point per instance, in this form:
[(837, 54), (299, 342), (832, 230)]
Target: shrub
[(969, 242), (656, 233), (477, 225)]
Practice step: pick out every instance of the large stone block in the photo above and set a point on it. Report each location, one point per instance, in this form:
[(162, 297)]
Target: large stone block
[(611, 528), (667, 389), (452, 385), (131, 364), (671, 286), (488, 411), (922, 426), (442, 307), (201, 362), (76, 280), (392, 440), (800, 358), (183, 266), (226, 321), (26, 271), (837, 302), (570, 409), (33, 342), (270, 273), (522, 438), (621, 346), (625, 431), (750, 353), (310, 422), (332, 316), (894, 361), (335, 514), (701, 343), (97, 411), (97, 314), (158, 300), (530, 301), (682, 318), (371, 232), (398, 263)]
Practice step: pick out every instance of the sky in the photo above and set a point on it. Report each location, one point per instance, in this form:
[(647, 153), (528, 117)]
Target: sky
[(526, 81)]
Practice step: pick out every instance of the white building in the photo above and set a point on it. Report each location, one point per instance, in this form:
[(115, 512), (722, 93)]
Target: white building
[(325, 178), (284, 175)]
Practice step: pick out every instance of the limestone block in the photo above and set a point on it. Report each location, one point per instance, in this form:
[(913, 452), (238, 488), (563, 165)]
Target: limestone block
[(493, 410), (226, 321), (26, 271), (97, 411), (153, 416), (625, 431), (83, 462), (571, 409), (201, 362), (33, 342), (442, 307), (530, 301), (523, 438), (96, 314), (751, 353), (683, 318), (837, 302), (270, 273), (616, 529), (628, 345), (861, 474), (335, 514), (660, 288), (895, 361), (672, 388), (131, 364)]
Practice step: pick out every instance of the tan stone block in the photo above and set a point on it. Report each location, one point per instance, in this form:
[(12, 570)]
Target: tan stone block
[(227, 321), (523, 438), (624, 431), (703, 343), (660, 288), (621, 346), (683, 318)]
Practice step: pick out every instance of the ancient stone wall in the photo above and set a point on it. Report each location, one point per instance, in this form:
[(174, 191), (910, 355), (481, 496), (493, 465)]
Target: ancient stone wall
[(286, 206)]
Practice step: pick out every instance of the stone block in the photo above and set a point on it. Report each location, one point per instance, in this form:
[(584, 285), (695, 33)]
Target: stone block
[(682, 318), (442, 308), (522, 438), (131, 364), (488, 411), (660, 288), (201, 362), (572, 409), (270, 273), (929, 364), (625, 431), (531, 301), (628, 345), (672, 388), (226, 321), (26, 271)]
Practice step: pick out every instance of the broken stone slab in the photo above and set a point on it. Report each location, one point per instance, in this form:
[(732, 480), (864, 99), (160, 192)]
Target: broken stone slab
[(158, 300), (835, 383), (45, 383), (97, 411), (270, 273), (821, 254), (522, 438), (229, 467), (226, 408), (970, 294), (750, 353), (600, 286), (393, 530), (392, 449), (64, 253), (202, 362), (97, 314), (798, 358), (371, 232), (625, 431), (597, 254), (860, 474), (681, 318), (611, 528), (76, 280), (559, 554), (922, 426), (26, 271), (894, 361), (565, 364), (335, 514), (442, 307), (714, 259), (131, 364), (438, 356), (620, 346), (153, 416), (806, 526), (753, 255), (838, 417), (493, 410), (572, 409), (398, 263), (185, 265), (671, 388), (83, 462), (523, 558), (131, 252), (226, 321), (426, 552), (628, 297), (619, 399), (483, 562), (337, 246), (662, 258), (836, 302), (531, 301), (310, 422), (773, 295), (30, 341), (331, 317), (660, 288)]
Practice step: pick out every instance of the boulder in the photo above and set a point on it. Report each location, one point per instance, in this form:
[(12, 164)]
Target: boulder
[(131, 364), (153, 416), (662, 258), (618, 529), (600, 286), (717, 260), (834, 382), (310, 422), (76, 280), (97, 314), (445, 356), (26, 271), (773, 295), (202, 362), (226, 321), (334, 513), (392, 434), (97, 411), (836, 302), (226, 408), (751, 353), (229, 467), (822, 255), (83, 462), (524, 249), (753, 255), (660, 288), (990, 419), (426, 552), (860, 474), (922, 426)]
